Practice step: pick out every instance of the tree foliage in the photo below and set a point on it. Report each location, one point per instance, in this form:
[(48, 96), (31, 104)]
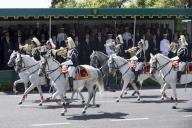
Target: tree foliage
[(88, 3), (121, 3)]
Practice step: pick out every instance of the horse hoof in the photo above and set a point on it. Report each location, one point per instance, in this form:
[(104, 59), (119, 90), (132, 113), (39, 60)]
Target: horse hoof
[(62, 114), (171, 98), (67, 104), (84, 112), (117, 100), (20, 103), (97, 105), (40, 104), (125, 93), (174, 107), (15, 92), (83, 102), (162, 98), (138, 99)]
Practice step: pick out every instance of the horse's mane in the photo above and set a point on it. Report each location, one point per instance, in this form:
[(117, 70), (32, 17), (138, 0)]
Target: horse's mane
[(99, 52), (120, 58), (167, 58), (55, 60)]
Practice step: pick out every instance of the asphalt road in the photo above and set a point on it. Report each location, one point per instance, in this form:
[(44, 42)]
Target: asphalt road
[(150, 112)]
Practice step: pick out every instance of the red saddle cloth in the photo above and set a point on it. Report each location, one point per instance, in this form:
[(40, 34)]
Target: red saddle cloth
[(189, 68), (146, 68), (82, 73)]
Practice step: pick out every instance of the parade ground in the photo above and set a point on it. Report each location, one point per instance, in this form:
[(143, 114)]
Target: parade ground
[(150, 112)]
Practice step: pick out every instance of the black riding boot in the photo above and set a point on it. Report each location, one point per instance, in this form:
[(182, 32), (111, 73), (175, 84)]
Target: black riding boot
[(136, 76), (179, 76), (71, 83)]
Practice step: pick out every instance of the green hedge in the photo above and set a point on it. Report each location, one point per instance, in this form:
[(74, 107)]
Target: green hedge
[(7, 77)]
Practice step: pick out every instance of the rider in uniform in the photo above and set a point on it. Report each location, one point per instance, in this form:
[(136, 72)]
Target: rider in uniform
[(72, 60), (35, 43), (119, 47), (182, 53), (139, 57)]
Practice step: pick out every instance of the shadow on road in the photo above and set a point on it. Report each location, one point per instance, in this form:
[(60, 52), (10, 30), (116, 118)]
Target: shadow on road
[(101, 115), (185, 109), (160, 101)]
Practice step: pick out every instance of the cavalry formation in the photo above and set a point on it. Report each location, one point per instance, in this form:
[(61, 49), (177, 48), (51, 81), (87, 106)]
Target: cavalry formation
[(69, 75)]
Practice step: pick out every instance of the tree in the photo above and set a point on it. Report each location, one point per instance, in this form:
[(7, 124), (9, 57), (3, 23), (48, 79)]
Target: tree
[(121, 3), (88, 3)]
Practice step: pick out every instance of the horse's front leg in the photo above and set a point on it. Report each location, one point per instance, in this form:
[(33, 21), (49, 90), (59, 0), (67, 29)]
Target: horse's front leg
[(41, 95), (55, 99), (32, 86), (15, 84), (64, 105), (163, 94), (173, 86), (125, 83), (136, 91)]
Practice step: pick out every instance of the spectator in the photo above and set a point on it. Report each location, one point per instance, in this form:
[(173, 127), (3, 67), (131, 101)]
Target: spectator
[(99, 41), (61, 37), (127, 37), (8, 47), (164, 45)]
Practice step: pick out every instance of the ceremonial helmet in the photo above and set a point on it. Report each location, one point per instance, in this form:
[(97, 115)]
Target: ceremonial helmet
[(50, 41), (119, 39), (70, 43), (36, 41), (182, 41)]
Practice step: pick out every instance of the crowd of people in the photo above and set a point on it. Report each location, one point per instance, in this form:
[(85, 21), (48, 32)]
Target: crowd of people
[(87, 39)]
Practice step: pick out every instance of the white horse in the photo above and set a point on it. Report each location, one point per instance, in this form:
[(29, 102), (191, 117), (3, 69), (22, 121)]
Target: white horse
[(29, 66), (163, 64), (121, 64), (54, 71), (24, 76)]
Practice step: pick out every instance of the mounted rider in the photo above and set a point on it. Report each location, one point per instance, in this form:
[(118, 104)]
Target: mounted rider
[(72, 60), (182, 53), (119, 46), (139, 58), (173, 47)]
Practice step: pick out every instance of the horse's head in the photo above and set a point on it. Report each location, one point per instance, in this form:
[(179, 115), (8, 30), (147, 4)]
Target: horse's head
[(94, 59), (153, 63), (12, 58), (112, 65), (18, 63)]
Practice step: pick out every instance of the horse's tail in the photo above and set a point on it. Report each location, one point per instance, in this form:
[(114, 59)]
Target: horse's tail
[(100, 83)]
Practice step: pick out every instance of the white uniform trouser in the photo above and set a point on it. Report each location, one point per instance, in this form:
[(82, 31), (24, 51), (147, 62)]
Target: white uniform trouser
[(182, 66), (139, 66), (71, 69)]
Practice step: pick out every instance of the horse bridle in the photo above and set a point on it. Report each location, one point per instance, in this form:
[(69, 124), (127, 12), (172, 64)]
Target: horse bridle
[(20, 62), (160, 66), (48, 72), (118, 67)]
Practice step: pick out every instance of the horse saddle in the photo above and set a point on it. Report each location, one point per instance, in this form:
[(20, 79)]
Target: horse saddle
[(146, 68), (80, 74), (189, 68)]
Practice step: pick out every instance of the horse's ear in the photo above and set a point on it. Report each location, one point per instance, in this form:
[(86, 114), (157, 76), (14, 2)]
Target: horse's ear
[(151, 55)]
